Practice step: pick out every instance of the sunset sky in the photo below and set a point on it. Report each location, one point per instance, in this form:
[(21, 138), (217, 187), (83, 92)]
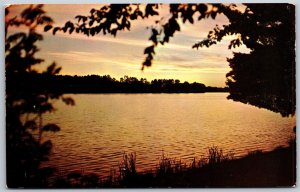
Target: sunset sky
[(81, 55)]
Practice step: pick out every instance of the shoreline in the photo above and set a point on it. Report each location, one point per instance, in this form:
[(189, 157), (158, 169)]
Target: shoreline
[(258, 168)]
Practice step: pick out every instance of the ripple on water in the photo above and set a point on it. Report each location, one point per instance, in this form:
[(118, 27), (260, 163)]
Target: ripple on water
[(97, 131)]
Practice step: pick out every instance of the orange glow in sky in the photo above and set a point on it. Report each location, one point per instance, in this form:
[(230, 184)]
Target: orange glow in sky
[(105, 55)]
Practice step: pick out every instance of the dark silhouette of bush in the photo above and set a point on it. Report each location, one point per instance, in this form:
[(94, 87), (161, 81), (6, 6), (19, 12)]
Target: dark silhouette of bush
[(275, 168), (26, 147)]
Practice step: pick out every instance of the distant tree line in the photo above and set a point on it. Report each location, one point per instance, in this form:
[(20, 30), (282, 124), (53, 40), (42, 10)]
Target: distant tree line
[(105, 84), (265, 77)]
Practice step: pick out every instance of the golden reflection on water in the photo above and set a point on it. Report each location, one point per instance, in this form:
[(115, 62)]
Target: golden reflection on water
[(101, 127)]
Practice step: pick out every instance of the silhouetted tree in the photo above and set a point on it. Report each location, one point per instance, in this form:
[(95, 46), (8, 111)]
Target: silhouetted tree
[(25, 146), (105, 84), (265, 77)]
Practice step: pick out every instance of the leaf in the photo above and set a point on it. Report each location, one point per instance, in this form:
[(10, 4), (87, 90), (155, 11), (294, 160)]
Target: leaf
[(149, 50), (55, 30), (57, 70), (234, 43), (147, 63), (191, 20), (213, 15), (196, 46), (47, 19), (64, 29), (166, 39), (78, 17), (47, 28), (15, 37), (71, 30), (92, 11), (133, 16), (69, 24), (153, 37), (84, 18), (92, 31), (114, 32), (128, 26), (154, 32), (68, 101), (174, 7), (51, 68), (91, 22), (51, 127), (150, 11), (202, 8)]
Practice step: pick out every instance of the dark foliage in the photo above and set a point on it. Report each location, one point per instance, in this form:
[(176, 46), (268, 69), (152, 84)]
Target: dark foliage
[(266, 76), (263, 78), (58, 84), (257, 169), (25, 146)]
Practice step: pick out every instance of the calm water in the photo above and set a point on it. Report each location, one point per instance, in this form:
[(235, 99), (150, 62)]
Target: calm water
[(101, 127)]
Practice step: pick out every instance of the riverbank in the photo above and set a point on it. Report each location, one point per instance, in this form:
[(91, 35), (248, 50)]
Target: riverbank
[(276, 168)]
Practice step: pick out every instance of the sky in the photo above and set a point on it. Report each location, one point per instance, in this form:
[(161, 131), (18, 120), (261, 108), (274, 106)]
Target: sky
[(123, 55)]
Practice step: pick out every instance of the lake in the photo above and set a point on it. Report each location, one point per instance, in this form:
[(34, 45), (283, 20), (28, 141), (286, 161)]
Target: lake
[(97, 131)]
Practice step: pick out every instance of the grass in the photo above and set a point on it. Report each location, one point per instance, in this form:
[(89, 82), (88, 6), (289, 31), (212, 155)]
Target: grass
[(257, 169)]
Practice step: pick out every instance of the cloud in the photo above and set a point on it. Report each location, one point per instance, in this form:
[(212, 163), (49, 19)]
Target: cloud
[(194, 66), (77, 56)]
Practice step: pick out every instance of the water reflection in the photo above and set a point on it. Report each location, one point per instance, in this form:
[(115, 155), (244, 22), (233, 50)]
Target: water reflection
[(101, 127)]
